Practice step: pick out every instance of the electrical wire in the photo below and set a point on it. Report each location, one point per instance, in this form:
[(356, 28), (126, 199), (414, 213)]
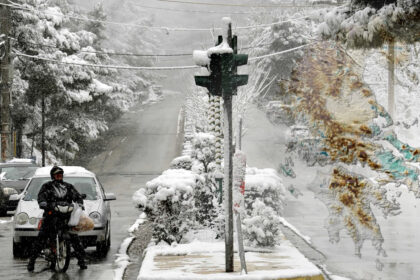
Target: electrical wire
[(151, 68), (119, 67), (134, 54), (110, 53), (252, 59), (237, 5), (204, 12), (167, 29)]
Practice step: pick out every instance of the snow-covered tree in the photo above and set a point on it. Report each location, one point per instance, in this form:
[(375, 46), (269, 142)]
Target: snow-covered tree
[(80, 101), (371, 23)]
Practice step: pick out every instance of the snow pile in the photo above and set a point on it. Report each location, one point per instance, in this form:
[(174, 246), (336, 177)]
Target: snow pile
[(123, 260), (168, 201), (201, 58)]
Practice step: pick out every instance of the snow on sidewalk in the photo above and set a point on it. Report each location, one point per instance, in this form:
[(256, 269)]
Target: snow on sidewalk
[(205, 260)]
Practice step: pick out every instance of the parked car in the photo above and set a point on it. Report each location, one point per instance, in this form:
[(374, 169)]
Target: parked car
[(28, 214), (14, 175)]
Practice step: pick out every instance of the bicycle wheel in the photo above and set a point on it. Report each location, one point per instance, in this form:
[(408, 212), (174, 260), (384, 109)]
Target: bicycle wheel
[(63, 256)]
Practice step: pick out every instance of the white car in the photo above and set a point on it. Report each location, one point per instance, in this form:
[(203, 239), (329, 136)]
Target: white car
[(28, 214)]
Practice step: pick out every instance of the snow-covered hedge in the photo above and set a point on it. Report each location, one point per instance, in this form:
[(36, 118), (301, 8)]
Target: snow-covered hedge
[(262, 226), (182, 162), (168, 201), (265, 185)]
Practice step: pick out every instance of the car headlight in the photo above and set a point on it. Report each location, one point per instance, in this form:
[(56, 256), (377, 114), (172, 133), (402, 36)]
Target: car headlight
[(96, 217), (33, 221), (9, 191), (22, 218)]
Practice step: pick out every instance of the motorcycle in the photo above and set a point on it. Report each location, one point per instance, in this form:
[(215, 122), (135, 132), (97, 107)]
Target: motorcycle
[(58, 249)]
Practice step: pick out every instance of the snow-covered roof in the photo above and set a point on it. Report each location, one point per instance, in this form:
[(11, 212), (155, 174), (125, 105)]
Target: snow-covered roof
[(20, 160), (68, 171)]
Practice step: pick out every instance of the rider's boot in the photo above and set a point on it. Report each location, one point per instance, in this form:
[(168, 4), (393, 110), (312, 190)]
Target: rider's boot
[(31, 265), (82, 263)]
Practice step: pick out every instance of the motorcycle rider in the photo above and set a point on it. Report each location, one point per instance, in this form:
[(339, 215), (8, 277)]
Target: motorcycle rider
[(52, 192)]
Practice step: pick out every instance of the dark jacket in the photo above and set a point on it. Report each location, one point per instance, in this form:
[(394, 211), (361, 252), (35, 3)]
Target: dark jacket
[(47, 196)]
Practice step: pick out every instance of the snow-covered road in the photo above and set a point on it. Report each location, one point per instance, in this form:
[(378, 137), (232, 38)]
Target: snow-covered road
[(142, 142), (264, 146)]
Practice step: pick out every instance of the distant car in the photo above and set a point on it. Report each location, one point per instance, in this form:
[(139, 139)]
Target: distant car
[(14, 175), (28, 214)]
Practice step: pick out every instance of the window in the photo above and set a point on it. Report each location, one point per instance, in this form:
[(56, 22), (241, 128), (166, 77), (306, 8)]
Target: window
[(18, 172), (84, 185)]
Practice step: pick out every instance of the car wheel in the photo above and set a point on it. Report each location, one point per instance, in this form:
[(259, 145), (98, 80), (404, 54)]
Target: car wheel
[(3, 211), (102, 247), (18, 250)]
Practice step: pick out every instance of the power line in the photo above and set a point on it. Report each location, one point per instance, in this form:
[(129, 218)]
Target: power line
[(133, 54), (204, 12), (151, 68), (120, 67), (109, 53), (237, 5), (167, 29), (279, 53)]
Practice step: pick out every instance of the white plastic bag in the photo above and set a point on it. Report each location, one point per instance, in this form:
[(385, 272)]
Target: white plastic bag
[(85, 224), (75, 215)]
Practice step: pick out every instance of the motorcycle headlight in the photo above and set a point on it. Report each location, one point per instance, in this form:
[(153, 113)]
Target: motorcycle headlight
[(22, 218), (96, 217), (9, 191)]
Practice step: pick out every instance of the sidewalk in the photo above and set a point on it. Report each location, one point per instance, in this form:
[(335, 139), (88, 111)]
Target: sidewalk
[(206, 260)]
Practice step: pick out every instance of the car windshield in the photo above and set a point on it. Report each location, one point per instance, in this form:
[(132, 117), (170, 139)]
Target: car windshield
[(84, 185), (18, 172)]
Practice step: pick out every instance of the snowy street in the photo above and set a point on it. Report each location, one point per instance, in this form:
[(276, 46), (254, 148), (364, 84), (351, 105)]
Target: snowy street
[(210, 139), (135, 142)]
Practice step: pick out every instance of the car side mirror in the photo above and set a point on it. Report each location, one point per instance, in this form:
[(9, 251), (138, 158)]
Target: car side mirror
[(109, 197)]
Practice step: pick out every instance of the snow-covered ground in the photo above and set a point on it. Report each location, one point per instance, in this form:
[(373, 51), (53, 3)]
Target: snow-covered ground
[(203, 260)]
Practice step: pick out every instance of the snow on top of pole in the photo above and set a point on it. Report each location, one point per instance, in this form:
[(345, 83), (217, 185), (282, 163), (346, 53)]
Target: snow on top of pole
[(201, 58)]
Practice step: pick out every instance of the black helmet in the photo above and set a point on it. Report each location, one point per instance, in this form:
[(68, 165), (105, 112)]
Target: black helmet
[(56, 170)]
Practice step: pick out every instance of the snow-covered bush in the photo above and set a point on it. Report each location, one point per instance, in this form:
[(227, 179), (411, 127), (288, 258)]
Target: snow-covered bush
[(264, 196), (182, 162), (266, 186), (203, 150), (168, 201), (262, 227)]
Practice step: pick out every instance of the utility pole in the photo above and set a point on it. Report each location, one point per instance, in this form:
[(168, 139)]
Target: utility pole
[(43, 128), (223, 81), (391, 79), (5, 26), (228, 158)]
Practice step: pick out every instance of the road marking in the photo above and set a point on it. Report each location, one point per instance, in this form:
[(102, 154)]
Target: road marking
[(123, 140)]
